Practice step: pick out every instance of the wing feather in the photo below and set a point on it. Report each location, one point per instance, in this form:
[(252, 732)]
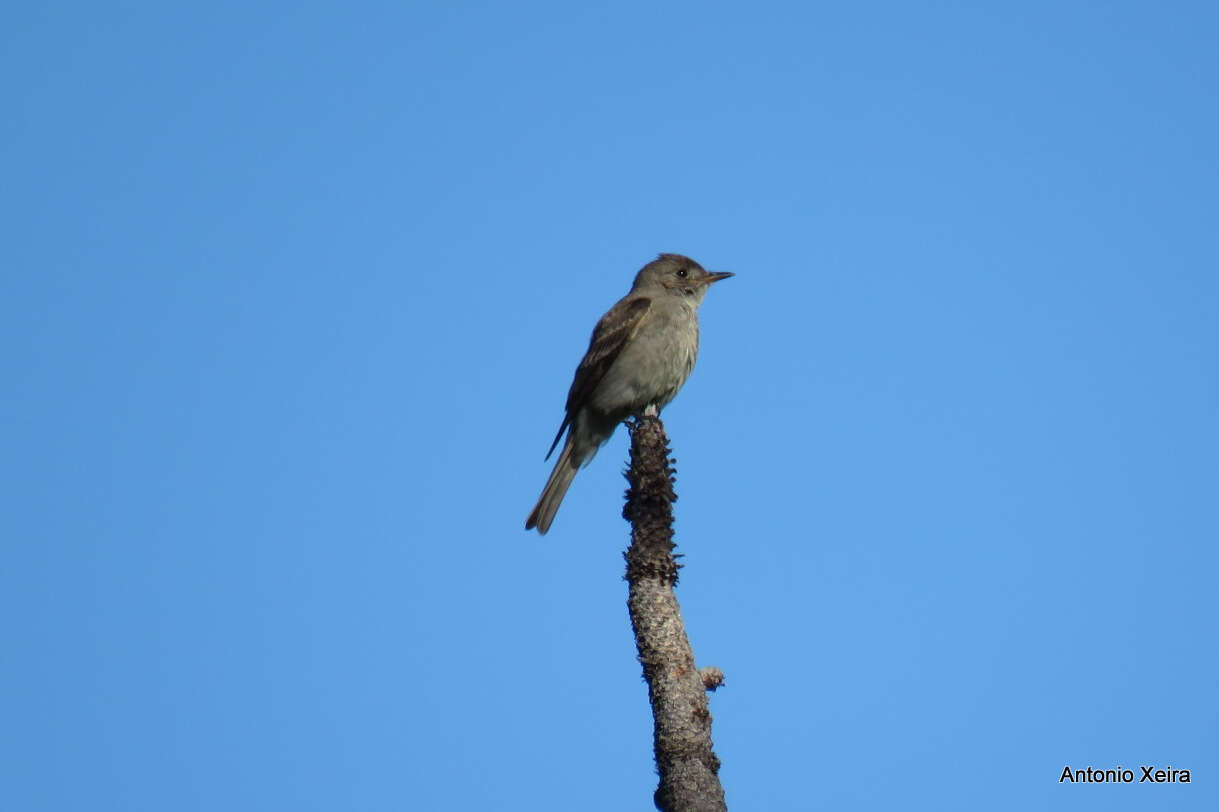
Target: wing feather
[(609, 337)]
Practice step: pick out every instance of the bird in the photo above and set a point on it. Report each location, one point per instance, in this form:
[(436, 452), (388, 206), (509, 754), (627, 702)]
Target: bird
[(640, 354)]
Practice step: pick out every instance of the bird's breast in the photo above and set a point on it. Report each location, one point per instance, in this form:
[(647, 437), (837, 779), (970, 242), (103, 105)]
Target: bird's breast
[(653, 364)]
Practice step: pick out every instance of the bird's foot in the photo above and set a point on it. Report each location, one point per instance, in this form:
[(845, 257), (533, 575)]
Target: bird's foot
[(632, 421)]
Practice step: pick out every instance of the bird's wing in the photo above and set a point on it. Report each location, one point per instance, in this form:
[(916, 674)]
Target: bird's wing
[(609, 337)]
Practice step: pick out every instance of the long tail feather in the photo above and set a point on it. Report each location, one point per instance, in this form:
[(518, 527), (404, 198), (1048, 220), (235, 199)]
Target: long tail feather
[(552, 495)]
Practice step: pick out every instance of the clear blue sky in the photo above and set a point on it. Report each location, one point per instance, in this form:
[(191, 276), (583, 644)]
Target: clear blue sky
[(292, 295)]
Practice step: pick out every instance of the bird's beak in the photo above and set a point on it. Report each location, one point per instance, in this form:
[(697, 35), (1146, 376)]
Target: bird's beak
[(716, 276)]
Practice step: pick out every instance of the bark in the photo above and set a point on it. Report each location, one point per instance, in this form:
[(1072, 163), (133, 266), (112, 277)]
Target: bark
[(677, 689)]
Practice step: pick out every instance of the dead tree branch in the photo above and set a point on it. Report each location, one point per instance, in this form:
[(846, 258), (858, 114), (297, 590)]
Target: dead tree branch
[(688, 767)]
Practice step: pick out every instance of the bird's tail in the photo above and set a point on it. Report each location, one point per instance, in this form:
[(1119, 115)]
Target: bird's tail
[(556, 487)]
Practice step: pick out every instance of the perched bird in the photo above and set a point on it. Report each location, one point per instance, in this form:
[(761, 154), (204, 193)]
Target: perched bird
[(640, 354)]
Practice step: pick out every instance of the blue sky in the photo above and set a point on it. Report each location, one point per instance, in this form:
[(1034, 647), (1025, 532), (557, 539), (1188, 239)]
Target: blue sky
[(292, 295)]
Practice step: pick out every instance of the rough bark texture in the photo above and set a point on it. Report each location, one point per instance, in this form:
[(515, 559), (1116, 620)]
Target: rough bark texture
[(687, 765)]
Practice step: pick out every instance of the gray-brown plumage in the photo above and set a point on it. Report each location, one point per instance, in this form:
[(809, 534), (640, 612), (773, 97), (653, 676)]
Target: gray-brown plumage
[(640, 354)]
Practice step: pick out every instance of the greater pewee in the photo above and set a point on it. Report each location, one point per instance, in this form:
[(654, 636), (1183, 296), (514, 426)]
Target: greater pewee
[(640, 354)]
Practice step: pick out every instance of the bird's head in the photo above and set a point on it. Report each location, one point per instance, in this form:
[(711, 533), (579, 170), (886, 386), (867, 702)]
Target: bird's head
[(678, 274)]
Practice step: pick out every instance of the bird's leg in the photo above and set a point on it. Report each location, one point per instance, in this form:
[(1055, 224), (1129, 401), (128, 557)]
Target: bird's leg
[(632, 421)]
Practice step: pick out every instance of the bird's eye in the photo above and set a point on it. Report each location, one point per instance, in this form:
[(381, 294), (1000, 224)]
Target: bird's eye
[(682, 272)]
